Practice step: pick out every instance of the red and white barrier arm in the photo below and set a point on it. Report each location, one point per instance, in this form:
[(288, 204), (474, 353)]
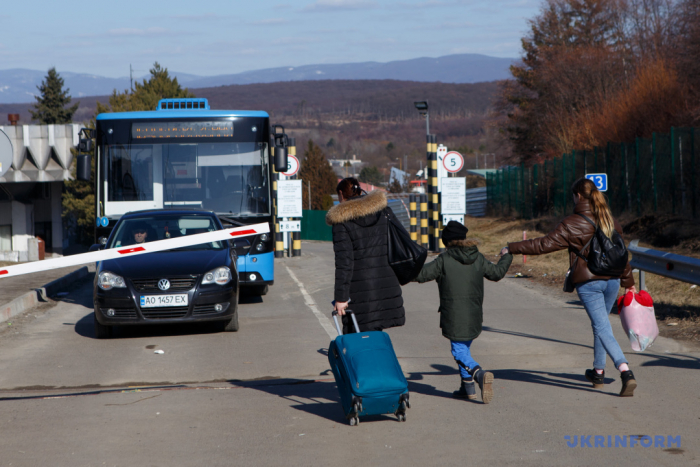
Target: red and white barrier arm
[(132, 250)]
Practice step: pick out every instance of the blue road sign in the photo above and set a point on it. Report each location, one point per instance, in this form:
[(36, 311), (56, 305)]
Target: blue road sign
[(600, 180), (104, 222)]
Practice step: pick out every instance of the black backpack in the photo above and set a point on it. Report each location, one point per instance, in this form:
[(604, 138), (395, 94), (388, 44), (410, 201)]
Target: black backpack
[(607, 256)]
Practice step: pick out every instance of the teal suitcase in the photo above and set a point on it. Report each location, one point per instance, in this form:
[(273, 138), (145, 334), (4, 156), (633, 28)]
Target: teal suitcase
[(368, 374)]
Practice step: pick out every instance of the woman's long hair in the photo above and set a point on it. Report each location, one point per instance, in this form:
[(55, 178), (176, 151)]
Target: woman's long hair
[(603, 218)]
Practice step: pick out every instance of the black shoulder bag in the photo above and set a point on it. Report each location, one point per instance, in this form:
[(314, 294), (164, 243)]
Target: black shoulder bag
[(608, 255), (568, 280), (405, 256)]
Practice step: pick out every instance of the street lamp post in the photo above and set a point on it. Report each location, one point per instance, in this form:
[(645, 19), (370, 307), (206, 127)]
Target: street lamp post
[(422, 107)]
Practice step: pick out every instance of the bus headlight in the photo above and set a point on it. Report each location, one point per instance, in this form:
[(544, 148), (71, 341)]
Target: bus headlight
[(221, 276), (107, 281), (260, 247), (264, 237)]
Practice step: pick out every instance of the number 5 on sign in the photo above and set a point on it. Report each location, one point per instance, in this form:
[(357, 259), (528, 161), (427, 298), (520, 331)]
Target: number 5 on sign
[(600, 180)]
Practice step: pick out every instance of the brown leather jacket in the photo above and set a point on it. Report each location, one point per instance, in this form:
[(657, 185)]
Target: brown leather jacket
[(572, 233)]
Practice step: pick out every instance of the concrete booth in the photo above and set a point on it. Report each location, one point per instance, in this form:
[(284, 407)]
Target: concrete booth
[(34, 162)]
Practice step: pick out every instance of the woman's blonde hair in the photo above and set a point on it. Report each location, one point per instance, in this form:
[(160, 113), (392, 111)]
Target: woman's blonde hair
[(603, 218)]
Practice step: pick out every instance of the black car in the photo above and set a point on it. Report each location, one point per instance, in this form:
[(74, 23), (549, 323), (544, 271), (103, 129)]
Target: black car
[(194, 283)]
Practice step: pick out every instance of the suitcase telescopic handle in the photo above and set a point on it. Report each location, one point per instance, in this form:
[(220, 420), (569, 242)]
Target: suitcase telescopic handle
[(354, 321)]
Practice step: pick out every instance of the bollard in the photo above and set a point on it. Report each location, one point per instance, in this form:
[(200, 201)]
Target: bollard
[(433, 202), (440, 227), (424, 220), (295, 244), (412, 212)]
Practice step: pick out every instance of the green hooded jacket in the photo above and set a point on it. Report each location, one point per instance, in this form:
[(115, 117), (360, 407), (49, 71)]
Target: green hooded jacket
[(460, 273)]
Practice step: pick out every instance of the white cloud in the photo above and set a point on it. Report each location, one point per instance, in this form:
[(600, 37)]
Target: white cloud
[(339, 5)]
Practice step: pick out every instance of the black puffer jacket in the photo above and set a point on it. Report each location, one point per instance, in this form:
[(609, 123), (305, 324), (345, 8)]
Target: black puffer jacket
[(362, 271)]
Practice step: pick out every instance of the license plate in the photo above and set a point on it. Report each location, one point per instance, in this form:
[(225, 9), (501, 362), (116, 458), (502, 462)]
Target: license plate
[(152, 301)]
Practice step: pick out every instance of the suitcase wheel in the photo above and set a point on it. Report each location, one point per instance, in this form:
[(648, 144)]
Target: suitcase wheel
[(401, 417), (354, 421)]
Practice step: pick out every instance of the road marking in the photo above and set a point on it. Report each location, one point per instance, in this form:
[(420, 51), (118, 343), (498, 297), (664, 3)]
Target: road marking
[(323, 319)]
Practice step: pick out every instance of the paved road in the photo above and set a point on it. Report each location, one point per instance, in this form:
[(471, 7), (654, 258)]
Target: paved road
[(265, 395)]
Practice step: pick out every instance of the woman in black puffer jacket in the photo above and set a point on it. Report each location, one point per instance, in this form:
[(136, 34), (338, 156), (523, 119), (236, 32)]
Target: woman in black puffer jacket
[(362, 272)]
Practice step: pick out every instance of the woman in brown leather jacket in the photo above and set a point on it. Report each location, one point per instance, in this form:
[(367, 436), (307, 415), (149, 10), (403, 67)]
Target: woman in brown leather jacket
[(597, 293)]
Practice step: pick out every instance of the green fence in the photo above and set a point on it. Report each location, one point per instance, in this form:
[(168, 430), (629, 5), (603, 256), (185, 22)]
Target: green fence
[(656, 175), (314, 227)]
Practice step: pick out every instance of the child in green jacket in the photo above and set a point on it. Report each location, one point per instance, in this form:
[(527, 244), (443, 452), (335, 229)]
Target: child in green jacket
[(460, 273)]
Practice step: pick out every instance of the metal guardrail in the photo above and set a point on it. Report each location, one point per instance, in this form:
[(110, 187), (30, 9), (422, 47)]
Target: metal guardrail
[(661, 263)]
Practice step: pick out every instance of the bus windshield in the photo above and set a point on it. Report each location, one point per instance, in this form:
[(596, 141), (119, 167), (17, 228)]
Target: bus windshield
[(224, 177)]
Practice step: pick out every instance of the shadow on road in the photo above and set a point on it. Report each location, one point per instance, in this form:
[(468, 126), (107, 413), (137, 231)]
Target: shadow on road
[(319, 398), (85, 327), (532, 336), (560, 380), (427, 389), (673, 361)]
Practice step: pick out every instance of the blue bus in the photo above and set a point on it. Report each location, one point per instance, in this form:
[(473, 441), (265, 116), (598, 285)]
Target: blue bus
[(185, 155)]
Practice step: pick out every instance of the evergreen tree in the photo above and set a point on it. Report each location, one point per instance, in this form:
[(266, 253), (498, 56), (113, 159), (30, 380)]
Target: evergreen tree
[(371, 175), (316, 170), (78, 203), (51, 105), (146, 94)]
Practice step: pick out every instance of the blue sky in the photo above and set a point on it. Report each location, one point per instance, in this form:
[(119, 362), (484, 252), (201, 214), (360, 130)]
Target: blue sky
[(229, 36)]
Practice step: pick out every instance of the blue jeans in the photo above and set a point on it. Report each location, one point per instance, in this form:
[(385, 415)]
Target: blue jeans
[(598, 298), (463, 355)]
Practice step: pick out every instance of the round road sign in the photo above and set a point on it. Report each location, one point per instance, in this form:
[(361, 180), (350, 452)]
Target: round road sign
[(453, 161), (5, 153), (292, 166)]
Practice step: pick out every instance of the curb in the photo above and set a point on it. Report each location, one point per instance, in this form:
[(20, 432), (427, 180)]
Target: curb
[(37, 296)]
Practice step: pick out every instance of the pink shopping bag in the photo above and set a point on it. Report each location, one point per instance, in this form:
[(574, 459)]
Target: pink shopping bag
[(638, 319)]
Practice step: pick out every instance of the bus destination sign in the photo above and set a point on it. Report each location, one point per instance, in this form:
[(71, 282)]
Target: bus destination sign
[(175, 129)]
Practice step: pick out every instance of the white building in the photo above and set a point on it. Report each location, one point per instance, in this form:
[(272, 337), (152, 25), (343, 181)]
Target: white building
[(33, 167)]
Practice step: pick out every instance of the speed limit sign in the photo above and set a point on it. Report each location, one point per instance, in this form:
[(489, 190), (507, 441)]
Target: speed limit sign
[(453, 161), (292, 166)]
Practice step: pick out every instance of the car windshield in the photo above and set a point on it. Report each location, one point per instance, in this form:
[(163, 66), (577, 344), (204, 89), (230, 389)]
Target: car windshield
[(142, 229)]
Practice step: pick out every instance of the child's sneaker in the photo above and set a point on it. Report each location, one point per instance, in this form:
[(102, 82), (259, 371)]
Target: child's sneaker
[(598, 379), (485, 381), (467, 390)]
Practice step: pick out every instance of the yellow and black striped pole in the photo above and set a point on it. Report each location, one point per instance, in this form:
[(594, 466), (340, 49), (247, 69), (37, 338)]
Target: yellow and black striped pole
[(424, 220), (433, 202), (279, 239), (412, 211), (296, 236)]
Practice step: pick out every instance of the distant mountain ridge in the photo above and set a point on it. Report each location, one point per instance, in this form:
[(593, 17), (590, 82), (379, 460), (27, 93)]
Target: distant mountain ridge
[(19, 85)]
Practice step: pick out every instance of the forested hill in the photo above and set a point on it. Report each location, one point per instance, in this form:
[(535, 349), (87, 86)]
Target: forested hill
[(373, 99), (380, 100)]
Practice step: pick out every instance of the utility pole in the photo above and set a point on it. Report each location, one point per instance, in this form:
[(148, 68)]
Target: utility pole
[(131, 78)]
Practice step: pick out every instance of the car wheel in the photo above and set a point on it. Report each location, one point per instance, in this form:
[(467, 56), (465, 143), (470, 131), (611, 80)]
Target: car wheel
[(232, 324), (102, 331)]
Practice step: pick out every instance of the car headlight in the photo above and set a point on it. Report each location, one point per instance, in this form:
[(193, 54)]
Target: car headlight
[(107, 281), (264, 237), (221, 276)]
